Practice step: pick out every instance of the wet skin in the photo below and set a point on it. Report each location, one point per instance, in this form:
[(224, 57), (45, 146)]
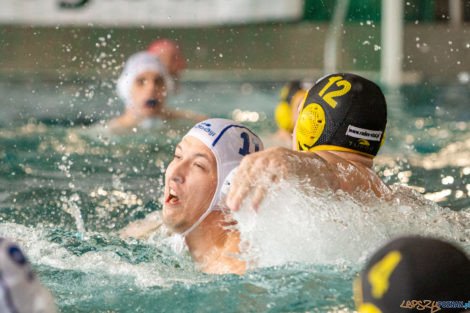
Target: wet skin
[(148, 93), (190, 184)]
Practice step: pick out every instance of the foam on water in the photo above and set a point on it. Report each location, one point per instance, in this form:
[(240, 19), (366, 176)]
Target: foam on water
[(335, 228), (42, 251)]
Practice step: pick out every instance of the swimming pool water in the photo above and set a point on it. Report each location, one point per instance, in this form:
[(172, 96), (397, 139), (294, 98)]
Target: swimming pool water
[(67, 187)]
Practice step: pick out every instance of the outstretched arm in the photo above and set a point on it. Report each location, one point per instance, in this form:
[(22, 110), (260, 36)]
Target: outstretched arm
[(259, 170)]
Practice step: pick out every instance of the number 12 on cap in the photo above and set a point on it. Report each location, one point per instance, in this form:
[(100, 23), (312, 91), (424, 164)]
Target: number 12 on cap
[(329, 97)]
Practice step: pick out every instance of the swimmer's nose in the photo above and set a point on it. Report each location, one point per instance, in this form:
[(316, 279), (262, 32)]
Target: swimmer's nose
[(155, 85), (177, 170), (177, 175)]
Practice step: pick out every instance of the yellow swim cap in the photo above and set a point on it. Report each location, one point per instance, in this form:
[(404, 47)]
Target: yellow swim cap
[(283, 112), (283, 116)]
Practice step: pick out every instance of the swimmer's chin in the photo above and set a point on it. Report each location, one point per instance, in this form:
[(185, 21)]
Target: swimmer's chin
[(171, 211), (174, 226)]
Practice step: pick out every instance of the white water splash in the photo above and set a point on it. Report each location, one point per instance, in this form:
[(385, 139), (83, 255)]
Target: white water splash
[(71, 206), (334, 228), (40, 251)]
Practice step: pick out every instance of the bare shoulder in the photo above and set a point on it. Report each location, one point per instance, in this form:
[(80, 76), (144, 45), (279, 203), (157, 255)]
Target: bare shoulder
[(228, 261), (354, 173)]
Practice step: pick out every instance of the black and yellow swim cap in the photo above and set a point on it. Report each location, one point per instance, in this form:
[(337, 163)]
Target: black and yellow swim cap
[(343, 112), (410, 274), (283, 112)]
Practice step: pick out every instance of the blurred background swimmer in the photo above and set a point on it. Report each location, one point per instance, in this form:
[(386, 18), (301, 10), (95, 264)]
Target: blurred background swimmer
[(193, 199), (412, 274), (292, 95), (169, 53), (339, 131), (20, 290), (143, 86)]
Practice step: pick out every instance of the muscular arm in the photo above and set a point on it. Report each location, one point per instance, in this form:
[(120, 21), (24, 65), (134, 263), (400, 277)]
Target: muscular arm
[(258, 170), (322, 169)]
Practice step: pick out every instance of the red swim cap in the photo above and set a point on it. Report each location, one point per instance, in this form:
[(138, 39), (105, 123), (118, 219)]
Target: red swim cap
[(169, 53)]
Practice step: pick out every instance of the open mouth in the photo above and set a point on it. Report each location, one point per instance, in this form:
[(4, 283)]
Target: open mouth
[(172, 198), (152, 103)]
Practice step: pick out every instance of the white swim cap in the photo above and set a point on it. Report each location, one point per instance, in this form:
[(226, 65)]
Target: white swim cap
[(20, 290), (137, 64), (229, 141)]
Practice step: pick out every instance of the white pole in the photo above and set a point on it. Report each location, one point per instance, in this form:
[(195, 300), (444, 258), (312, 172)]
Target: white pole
[(456, 12), (330, 58), (392, 42)]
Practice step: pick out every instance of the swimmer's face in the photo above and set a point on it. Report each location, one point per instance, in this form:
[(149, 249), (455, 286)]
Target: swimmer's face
[(148, 93), (190, 183)]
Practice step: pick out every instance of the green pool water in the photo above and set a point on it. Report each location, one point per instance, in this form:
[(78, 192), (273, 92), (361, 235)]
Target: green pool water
[(67, 188)]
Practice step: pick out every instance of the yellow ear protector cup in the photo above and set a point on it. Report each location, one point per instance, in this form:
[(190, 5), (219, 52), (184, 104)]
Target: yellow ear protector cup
[(283, 116), (310, 125)]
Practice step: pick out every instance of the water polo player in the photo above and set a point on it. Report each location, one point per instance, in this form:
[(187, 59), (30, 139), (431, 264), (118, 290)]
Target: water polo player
[(192, 195), (143, 86), (20, 289), (339, 130), (415, 274), (285, 113)]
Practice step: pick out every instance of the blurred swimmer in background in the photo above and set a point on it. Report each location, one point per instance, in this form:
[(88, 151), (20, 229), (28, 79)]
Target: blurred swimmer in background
[(194, 195), (169, 53), (20, 289), (412, 274), (285, 113), (339, 131), (143, 86)]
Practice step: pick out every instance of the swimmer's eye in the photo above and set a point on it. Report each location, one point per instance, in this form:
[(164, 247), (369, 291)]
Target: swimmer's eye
[(202, 167), (141, 81), (177, 157), (159, 81)]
